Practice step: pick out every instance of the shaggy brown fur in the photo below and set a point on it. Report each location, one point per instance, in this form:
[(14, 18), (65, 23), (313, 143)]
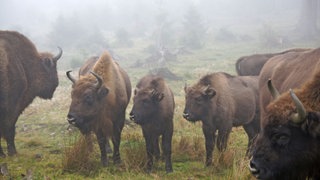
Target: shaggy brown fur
[(222, 101), (101, 109), (24, 75)]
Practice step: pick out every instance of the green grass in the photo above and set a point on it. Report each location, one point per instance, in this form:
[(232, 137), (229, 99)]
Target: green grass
[(44, 142)]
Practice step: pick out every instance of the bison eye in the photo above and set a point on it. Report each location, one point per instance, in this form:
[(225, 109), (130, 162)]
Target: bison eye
[(198, 99), (281, 139), (88, 99)]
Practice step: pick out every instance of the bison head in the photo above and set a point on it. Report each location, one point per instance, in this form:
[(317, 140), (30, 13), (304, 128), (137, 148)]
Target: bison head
[(145, 104), (287, 150), (88, 98), (198, 102), (48, 80)]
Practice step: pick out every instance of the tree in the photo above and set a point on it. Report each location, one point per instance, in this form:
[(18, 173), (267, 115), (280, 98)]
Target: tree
[(194, 29)]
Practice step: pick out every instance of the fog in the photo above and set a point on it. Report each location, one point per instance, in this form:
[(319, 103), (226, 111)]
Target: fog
[(95, 24)]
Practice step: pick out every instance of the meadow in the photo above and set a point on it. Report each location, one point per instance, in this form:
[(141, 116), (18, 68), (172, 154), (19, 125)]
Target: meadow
[(49, 149)]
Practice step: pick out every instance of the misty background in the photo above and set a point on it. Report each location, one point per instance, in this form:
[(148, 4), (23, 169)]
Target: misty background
[(87, 27)]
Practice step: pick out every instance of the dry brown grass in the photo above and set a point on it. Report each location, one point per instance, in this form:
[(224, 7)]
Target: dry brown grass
[(79, 157), (134, 151), (188, 148)]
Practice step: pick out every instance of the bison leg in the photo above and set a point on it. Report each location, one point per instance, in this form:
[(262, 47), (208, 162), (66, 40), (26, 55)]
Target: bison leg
[(156, 149), (166, 146), (108, 147), (102, 140), (252, 129), (222, 139), (150, 150), (116, 145), (2, 154), (9, 136), (209, 136)]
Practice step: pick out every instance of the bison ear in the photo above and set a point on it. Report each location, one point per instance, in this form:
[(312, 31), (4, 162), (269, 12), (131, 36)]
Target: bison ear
[(157, 96), (312, 124), (209, 92), (102, 92), (47, 64), (160, 96)]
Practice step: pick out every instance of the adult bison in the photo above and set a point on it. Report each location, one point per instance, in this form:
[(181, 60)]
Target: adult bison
[(153, 108), (252, 65), (24, 74), (288, 144), (222, 101), (99, 101)]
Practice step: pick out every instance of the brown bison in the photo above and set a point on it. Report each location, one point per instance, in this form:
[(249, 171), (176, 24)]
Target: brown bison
[(99, 101), (222, 101), (288, 144), (252, 65), (24, 74), (153, 108)]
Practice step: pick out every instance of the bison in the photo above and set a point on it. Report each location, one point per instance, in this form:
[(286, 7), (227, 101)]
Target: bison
[(252, 65), (153, 109), (222, 101), (24, 74), (288, 145), (99, 101)]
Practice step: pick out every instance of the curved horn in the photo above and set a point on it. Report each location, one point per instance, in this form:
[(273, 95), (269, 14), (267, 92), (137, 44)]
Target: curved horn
[(58, 56), (301, 115), (99, 83), (72, 79), (274, 92)]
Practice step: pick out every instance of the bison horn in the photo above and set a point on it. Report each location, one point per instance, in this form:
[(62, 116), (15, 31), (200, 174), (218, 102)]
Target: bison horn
[(301, 115), (274, 92), (58, 56), (99, 83), (72, 79)]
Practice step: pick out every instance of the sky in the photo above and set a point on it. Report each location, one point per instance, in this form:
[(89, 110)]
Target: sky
[(37, 19)]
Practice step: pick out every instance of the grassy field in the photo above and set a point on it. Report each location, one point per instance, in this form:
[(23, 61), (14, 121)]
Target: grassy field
[(48, 149)]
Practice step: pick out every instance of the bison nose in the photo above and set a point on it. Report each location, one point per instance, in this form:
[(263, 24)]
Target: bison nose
[(71, 119), (186, 115), (253, 168), (131, 116)]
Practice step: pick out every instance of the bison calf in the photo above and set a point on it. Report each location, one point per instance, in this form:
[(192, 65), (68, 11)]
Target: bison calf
[(222, 101), (153, 108)]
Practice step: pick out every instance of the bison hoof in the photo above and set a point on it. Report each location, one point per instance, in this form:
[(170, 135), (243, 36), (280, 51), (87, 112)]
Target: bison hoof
[(117, 161), (148, 170), (208, 164), (104, 163), (169, 170)]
